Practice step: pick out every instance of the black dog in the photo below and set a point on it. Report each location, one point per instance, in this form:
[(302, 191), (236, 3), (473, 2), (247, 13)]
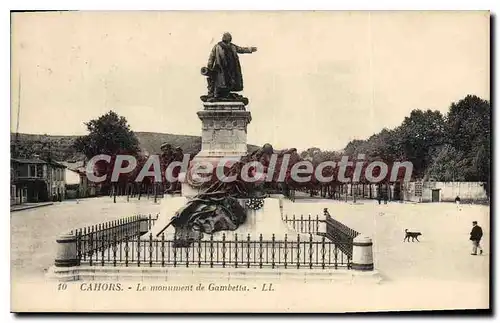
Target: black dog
[(412, 235)]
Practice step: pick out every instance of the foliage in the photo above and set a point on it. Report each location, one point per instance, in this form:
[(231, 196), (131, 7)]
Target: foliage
[(109, 134), (454, 147)]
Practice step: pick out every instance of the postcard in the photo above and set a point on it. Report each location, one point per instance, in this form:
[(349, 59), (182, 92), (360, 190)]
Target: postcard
[(260, 161)]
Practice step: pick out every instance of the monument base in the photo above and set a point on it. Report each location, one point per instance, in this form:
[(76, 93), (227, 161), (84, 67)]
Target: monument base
[(223, 138), (229, 275), (224, 131)]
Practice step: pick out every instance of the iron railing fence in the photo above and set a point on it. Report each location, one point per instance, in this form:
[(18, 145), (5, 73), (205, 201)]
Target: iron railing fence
[(90, 239), (122, 243), (237, 252), (334, 230)]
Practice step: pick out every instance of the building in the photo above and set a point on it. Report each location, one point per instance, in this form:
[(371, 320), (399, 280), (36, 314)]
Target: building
[(77, 181), (431, 191), (420, 191), (36, 180)]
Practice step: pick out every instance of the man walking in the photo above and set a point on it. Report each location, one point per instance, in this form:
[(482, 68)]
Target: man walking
[(457, 201), (475, 236)]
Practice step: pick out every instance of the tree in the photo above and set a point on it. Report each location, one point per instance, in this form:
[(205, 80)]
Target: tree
[(448, 165), (109, 134), (469, 131), (310, 153), (455, 147), (469, 123), (419, 136)]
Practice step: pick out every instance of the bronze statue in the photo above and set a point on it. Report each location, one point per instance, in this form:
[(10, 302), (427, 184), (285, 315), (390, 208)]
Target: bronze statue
[(223, 71), (216, 207)]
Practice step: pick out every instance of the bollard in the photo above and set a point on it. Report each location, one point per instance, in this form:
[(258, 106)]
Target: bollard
[(362, 253), (66, 251)]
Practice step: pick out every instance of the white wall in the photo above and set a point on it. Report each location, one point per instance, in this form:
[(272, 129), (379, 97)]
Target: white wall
[(72, 177), (448, 191)]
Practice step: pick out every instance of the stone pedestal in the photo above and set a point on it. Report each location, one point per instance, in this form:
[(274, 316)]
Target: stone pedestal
[(224, 131), (362, 253), (66, 251)]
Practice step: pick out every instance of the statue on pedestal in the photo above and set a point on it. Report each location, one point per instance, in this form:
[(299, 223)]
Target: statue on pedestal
[(223, 71)]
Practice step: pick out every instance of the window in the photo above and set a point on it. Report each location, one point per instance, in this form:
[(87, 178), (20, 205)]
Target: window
[(32, 171), (23, 170), (39, 171)]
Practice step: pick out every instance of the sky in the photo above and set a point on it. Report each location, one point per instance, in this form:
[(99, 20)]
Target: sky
[(318, 78)]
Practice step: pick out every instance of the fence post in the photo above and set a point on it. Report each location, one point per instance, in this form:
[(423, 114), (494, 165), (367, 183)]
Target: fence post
[(67, 253), (83, 244), (115, 248), (162, 249), (150, 250), (211, 250), (223, 250), (310, 251), (260, 251), (199, 253), (323, 252), (236, 250), (248, 250), (187, 255), (298, 251), (285, 250), (126, 249), (103, 247), (362, 253), (138, 251), (91, 245), (79, 244), (272, 250)]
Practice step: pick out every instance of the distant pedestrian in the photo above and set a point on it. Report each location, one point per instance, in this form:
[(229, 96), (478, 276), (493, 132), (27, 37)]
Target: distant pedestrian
[(475, 236), (457, 201), (379, 199)]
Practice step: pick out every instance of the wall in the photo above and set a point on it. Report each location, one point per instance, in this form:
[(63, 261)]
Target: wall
[(72, 177), (58, 183), (448, 191)]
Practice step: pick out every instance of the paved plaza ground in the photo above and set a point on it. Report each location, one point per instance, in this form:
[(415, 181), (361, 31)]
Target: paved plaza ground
[(443, 252), (34, 231), (441, 263)]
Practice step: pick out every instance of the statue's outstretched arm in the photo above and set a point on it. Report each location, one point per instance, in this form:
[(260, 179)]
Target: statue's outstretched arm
[(245, 50)]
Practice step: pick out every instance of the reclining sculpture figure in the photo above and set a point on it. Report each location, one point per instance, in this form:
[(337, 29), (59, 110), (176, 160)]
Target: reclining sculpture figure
[(217, 207)]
